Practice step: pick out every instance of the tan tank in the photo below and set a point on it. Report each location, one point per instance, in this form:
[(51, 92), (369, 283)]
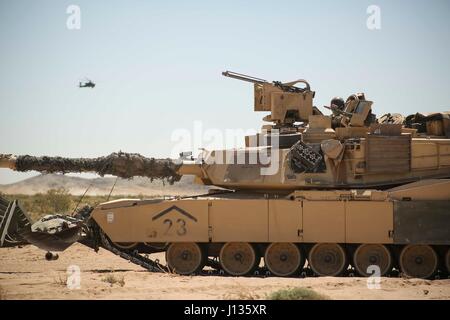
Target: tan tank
[(326, 194)]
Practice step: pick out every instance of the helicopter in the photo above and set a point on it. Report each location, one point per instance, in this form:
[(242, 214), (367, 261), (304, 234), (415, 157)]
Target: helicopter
[(87, 83)]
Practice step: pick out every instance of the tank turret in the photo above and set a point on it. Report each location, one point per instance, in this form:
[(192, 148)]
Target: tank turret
[(304, 149), (300, 148)]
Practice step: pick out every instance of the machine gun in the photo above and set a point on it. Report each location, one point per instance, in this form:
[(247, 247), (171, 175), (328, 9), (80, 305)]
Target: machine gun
[(287, 87), (338, 112), (285, 102), (243, 77), (356, 113)]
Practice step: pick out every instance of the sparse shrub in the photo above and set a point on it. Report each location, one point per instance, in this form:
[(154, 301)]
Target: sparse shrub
[(61, 280), (58, 200), (241, 295), (113, 279), (297, 294), (53, 201)]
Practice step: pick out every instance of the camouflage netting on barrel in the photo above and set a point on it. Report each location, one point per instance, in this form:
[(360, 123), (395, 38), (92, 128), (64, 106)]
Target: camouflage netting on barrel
[(120, 164)]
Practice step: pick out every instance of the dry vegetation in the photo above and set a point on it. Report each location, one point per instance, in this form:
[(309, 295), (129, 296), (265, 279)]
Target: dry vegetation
[(297, 294), (113, 279), (241, 293), (61, 280), (59, 201)]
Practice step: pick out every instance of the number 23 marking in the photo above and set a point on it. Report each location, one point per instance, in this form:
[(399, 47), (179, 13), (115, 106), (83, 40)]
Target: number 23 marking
[(181, 229)]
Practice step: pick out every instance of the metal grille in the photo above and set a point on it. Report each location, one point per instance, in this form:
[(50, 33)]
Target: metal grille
[(388, 154)]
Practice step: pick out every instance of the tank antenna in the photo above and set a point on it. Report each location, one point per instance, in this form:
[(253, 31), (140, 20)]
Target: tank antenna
[(109, 195), (81, 199)]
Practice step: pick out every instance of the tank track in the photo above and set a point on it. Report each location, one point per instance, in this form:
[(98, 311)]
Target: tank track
[(153, 265), (145, 262), (216, 270), (133, 257)]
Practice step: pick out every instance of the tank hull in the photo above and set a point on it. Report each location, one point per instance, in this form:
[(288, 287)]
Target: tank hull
[(405, 220), (266, 220)]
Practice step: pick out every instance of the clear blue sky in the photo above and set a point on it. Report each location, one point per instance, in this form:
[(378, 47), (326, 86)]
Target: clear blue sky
[(157, 66)]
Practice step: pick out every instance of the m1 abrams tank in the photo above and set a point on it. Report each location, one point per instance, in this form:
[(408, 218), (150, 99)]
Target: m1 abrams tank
[(338, 190)]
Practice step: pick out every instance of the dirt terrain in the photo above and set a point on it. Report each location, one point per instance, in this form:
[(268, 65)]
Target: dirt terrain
[(25, 274)]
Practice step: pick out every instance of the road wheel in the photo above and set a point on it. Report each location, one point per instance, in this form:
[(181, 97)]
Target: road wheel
[(327, 259), (418, 261), (125, 245), (283, 259), (238, 258), (185, 257), (367, 255)]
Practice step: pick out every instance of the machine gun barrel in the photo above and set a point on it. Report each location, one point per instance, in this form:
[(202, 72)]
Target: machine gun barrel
[(336, 110), (243, 77)]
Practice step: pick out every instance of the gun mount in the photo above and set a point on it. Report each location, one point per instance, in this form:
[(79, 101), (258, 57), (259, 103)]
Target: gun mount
[(286, 102)]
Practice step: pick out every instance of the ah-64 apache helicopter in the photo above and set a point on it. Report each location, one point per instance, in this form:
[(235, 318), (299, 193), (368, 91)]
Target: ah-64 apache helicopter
[(86, 83)]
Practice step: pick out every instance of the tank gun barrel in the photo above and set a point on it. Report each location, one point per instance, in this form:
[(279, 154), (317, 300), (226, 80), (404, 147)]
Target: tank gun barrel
[(8, 161), (243, 77), (120, 164)]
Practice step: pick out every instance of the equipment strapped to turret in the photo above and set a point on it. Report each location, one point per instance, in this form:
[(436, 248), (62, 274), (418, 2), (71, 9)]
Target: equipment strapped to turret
[(304, 158)]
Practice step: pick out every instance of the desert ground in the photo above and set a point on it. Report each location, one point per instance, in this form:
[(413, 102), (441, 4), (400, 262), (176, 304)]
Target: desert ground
[(25, 274)]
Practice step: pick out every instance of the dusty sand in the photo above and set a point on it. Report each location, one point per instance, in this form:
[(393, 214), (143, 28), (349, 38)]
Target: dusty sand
[(25, 274)]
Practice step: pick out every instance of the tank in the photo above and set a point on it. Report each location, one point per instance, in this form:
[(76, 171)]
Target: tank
[(311, 194)]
